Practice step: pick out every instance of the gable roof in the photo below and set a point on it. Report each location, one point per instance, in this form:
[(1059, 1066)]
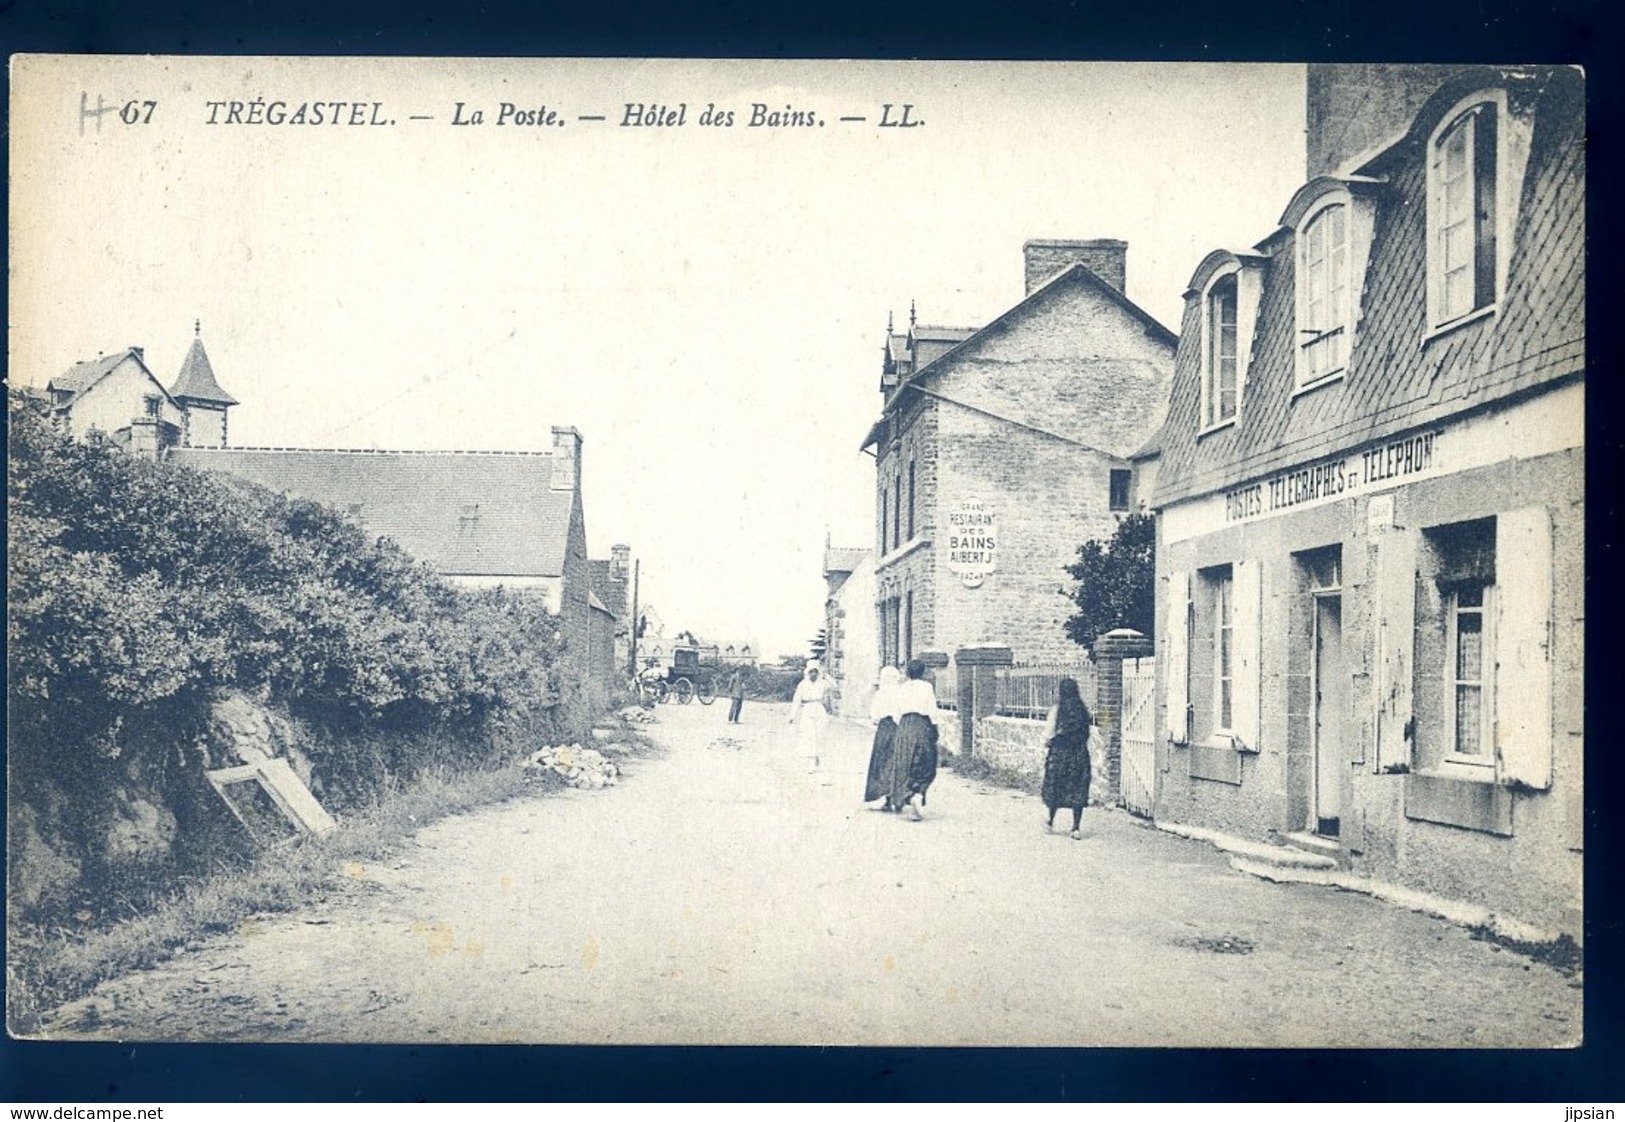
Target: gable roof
[(1106, 412), (196, 379), (81, 376), (1075, 273), (843, 560), (464, 513)]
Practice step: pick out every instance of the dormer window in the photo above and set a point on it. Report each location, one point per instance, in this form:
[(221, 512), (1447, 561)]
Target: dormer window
[(1220, 367), (1475, 161), (1224, 293), (1325, 304), (1332, 219)]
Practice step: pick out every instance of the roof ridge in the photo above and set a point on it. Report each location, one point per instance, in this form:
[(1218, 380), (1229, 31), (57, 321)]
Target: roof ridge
[(1077, 268), (376, 451)]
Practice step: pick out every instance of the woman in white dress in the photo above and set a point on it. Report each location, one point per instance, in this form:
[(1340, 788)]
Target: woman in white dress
[(883, 715), (809, 712)]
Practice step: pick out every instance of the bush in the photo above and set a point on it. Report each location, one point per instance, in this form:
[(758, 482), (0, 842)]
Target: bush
[(139, 589), (1116, 582)]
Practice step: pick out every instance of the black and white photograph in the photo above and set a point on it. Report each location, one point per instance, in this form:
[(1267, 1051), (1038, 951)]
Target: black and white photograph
[(796, 552)]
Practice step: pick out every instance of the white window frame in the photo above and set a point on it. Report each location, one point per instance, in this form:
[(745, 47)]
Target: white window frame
[(1313, 336), (1512, 136), (1223, 583), (1210, 398), (1481, 764)]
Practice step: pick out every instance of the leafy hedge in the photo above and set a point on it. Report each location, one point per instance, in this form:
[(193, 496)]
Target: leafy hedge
[(137, 589)]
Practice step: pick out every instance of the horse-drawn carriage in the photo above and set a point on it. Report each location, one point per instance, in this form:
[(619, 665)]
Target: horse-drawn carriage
[(692, 672)]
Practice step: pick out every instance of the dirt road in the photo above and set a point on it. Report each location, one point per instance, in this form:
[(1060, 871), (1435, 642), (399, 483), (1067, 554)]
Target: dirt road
[(722, 894)]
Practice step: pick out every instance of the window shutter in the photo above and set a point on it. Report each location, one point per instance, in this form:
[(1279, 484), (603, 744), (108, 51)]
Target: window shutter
[(1177, 678), (1523, 655), (1395, 639), (1244, 636)]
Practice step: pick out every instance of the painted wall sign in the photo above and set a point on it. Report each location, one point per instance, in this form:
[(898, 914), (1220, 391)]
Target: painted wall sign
[(973, 533), (1551, 423), (1335, 477)]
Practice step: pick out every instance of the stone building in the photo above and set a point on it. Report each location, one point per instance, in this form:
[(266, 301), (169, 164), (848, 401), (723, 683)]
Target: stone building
[(1371, 496), (852, 652), (1000, 450), (611, 584), (479, 519), (118, 397)]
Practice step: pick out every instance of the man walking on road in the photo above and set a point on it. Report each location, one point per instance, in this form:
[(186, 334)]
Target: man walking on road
[(736, 691)]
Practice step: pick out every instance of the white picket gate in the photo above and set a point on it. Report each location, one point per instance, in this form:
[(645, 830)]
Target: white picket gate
[(1139, 735)]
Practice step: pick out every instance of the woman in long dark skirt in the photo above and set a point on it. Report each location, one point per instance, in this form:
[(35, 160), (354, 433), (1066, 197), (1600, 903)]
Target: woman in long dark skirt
[(914, 749), (1066, 763), (884, 718)]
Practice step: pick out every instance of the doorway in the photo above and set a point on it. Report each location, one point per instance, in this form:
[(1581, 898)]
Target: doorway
[(1331, 702)]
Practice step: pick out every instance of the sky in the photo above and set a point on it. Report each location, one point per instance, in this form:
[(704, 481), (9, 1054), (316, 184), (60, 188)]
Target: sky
[(705, 303)]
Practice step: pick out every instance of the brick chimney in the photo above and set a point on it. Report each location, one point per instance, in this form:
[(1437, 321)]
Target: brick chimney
[(1045, 257), (566, 459), (620, 561)]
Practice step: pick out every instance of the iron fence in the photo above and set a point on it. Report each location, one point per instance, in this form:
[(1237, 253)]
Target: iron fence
[(1029, 691)]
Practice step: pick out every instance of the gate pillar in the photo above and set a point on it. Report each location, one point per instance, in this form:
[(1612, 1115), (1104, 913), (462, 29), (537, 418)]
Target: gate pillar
[(977, 692), (1110, 651)]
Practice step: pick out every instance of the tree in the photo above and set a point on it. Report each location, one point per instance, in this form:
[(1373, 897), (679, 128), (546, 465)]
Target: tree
[(819, 644), (1116, 582)]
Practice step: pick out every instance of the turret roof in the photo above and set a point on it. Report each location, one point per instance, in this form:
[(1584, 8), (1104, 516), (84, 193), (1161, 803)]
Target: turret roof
[(197, 378)]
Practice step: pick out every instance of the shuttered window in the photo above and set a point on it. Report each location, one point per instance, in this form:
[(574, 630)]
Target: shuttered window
[(1467, 648), (1395, 637), (1223, 588), (1246, 633), (1522, 615), (1175, 662)]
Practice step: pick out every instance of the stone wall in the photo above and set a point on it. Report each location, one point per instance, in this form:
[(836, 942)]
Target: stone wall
[(1535, 873), (1015, 746)]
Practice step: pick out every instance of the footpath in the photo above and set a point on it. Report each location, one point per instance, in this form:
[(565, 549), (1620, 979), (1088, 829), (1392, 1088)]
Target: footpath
[(721, 893)]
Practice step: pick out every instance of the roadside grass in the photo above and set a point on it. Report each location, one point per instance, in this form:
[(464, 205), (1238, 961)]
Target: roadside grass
[(48, 965)]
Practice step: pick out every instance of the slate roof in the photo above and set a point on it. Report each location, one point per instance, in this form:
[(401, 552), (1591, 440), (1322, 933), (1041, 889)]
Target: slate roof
[(1398, 380), (843, 560), (197, 380), (82, 375), (464, 513)]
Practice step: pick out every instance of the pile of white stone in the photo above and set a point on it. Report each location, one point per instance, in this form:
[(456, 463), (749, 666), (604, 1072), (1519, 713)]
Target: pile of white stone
[(577, 765)]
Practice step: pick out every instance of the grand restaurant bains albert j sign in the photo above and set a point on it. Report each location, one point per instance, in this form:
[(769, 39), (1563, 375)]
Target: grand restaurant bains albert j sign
[(973, 533)]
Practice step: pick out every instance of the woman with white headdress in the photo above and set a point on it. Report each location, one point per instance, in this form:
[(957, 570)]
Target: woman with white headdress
[(882, 714), (809, 712)]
